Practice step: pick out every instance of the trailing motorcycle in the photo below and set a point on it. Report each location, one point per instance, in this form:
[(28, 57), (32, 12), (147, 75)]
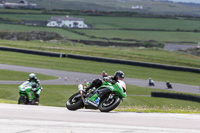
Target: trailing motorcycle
[(108, 101), (169, 86), (151, 84), (26, 93)]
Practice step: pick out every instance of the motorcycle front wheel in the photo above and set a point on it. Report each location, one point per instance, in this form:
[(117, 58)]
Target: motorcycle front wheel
[(22, 100), (109, 104), (74, 102)]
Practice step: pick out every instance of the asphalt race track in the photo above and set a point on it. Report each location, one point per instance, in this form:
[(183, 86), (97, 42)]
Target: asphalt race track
[(77, 78), (42, 119)]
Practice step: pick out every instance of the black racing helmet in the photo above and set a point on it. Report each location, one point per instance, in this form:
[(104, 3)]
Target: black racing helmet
[(32, 76), (119, 74)]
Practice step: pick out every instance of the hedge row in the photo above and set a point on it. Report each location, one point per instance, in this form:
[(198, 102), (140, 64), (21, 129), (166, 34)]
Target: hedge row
[(176, 96), (32, 35)]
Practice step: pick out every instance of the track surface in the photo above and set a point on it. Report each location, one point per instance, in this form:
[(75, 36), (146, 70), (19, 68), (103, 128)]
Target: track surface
[(73, 77), (41, 119)]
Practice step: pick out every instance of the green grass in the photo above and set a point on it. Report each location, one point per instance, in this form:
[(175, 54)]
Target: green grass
[(161, 36), (127, 53), (18, 11), (155, 7), (97, 67), (107, 22), (110, 22), (27, 16), (103, 22), (18, 76), (8, 101), (57, 95)]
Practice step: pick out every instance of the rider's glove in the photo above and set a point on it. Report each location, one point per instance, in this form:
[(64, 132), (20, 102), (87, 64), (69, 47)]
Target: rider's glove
[(107, 79), (113, 82)]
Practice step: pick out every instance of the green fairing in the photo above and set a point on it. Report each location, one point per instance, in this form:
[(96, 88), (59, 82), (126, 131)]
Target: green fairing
[(93, 97), (117, 88), (25, 90)]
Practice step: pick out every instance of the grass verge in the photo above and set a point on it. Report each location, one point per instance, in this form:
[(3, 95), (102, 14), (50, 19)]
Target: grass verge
[(57, 95), (152, 55), (18, 76)]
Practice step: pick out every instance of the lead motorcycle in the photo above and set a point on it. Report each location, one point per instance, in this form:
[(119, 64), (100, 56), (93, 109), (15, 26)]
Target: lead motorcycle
[(107, 102), (26, 93)]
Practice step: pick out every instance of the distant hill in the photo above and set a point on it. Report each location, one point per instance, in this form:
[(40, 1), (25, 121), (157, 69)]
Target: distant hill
[(143, 6)]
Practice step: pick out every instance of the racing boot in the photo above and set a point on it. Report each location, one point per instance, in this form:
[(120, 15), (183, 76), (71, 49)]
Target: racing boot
[(37, 99)]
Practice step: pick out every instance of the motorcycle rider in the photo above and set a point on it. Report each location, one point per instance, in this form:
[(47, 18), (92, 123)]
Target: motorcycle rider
[(168, 84), (36, 88), (96, 82), (104, 74), (151, 82), (94, 99)]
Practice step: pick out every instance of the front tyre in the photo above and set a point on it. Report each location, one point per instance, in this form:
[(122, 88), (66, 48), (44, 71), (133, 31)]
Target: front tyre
[(75, 102), (109, 104), (22, 100)]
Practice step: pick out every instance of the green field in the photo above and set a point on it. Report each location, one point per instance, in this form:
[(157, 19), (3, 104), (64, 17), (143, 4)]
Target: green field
[(27, 16), (19, 76), (97, 67), (22, 28), (161, 36), (107, 22), (176, 30), (136, 101), (98, 35), (103, 22), (134, 54), (149, 6)]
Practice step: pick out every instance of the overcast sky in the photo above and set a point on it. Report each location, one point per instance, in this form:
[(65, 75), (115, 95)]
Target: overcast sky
[(194, 1)]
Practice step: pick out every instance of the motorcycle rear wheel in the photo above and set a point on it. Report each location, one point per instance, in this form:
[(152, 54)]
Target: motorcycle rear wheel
[(106, 106), (74, 103)]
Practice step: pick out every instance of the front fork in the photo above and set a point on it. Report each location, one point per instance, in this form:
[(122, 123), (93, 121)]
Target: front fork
[(110, 97), (80, 88)]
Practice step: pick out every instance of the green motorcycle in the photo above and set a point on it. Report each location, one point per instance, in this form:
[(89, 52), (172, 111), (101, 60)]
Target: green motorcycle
[(26, 93), (107, 102)]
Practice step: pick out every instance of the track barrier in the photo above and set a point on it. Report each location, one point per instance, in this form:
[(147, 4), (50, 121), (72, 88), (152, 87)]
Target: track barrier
[(176, 96), (26, 51)]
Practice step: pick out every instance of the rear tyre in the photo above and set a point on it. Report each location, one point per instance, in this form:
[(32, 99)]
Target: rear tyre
[(74, 102), (108, 105)]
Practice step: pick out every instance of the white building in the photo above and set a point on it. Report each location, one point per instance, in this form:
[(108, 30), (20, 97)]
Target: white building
[(198, 46), (20, 4), (66, 21), (137, 7)]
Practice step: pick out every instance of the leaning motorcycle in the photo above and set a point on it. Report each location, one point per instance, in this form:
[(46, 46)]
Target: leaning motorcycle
[(26, 93), (108, 102)]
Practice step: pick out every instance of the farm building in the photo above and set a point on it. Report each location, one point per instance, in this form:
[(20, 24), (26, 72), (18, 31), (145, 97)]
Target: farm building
[(137, 7), (20, 4), (67, 21)]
